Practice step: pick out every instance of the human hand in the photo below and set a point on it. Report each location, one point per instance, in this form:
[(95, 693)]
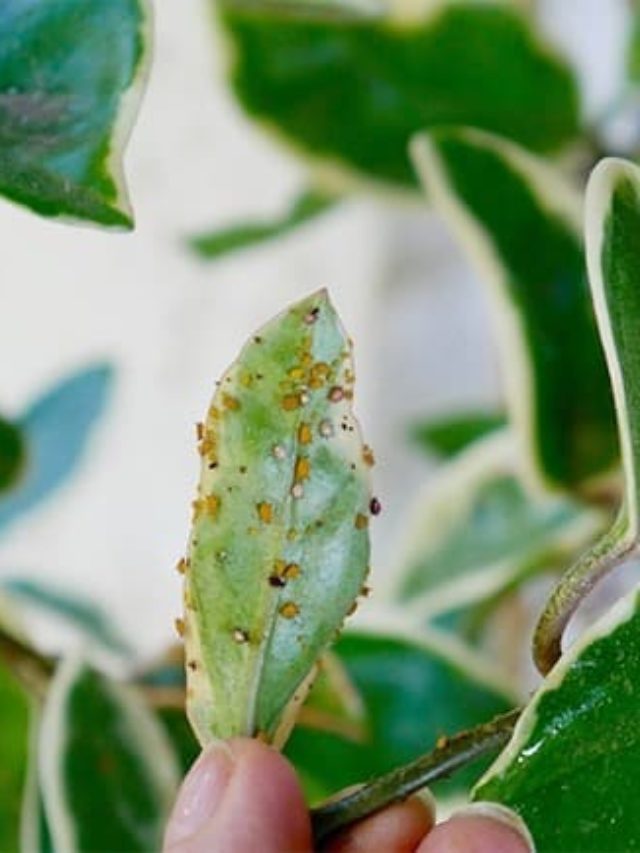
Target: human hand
[(244, 797)]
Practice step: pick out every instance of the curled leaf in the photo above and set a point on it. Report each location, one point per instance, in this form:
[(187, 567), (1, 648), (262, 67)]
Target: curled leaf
[(279, 547)]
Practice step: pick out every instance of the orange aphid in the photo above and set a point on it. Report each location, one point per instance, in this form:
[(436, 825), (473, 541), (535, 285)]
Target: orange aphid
[(230, 402), (361, 521), (180, 626), (302, 469), (368, 457), (289, 610), (290, 402), (304, 434), (265, 512)]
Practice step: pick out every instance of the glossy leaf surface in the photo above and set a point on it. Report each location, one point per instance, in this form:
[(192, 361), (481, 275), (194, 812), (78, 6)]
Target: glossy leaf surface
[(70, 79), (572, 769), (108, 774), (525, 238), (224, 241), (414, 690), (352, 90), (56, 430), (447, 436), (280, 546), (476, 531)]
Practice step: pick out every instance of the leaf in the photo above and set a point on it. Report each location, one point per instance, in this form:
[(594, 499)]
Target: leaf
[(524, 236), (447, 436), (572, 768), (613, 254), (14, 742), (108, 774), (477, 531), (71, 75), (74, 610), (56, 430), (279, 547), (416, 688), (306, 206), (12, 453), (351, 93)]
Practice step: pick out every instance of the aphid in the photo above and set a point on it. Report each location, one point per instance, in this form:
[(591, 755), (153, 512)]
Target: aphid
[(336, 394), (277, 581), (182, 565), (302, 469), (326, 429), (199, 430), (296, 373), (278, 451), (290, 402), (193, 665), (289, 610), (361, 521), (291, 571), (368, 457), (311, 317), (304, 434), (265, 512), (212, 505), (304, 398), (180, 626), (230, 402), (375, 506), (297, 491), (240, 636)]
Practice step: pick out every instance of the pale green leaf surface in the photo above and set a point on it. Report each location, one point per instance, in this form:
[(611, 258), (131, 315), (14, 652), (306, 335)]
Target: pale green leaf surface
[(351, 93), (572, 768), (279, 548), (448, 435), (476, 530), (306, 206), (415, 689), (108, 773), (71, 73), (14, 744), (520, 222)]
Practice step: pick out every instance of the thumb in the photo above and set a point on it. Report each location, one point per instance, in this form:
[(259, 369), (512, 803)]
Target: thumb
[(241, 796)]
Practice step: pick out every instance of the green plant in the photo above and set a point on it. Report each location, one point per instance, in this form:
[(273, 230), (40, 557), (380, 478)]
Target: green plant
[(279, 550)]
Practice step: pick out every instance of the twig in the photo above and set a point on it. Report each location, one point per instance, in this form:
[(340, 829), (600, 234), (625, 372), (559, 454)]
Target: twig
[(448, 756)]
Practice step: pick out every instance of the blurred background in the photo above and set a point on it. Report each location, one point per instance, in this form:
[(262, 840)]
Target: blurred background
[(169, 324)]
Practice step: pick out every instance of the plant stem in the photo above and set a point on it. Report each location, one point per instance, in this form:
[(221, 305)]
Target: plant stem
[(449, 755), (32, 669)]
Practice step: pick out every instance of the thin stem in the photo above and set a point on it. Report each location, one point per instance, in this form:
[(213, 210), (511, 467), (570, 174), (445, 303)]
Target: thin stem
[(449, 755)]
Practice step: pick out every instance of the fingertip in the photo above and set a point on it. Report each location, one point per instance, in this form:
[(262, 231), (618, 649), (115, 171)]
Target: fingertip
[(474, 834), (398, 828)]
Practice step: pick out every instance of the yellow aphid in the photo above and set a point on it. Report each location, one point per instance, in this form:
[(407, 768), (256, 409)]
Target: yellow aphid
[(291, 571), (304, 434), (302, 469), (319, 374), (368, 457), (212, 505), (246, 380), (361, 522), (265, 512), (180, 627), (290, 402), (182, 566), (231, 403), (289, 610), (296, 373)]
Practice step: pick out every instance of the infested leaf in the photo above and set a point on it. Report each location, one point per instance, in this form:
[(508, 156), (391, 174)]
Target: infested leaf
[(572, 768), (223, 241), (279, 548), (107, 772), (71, 75), (350, 90), (525, 238)]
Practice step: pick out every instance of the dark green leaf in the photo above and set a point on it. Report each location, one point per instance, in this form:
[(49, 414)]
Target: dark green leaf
[(70, 79), (306, 206), (354, 91), (521, 223), (14, 744), (107, 771), (12, 454), (447, 436), (572, 769)]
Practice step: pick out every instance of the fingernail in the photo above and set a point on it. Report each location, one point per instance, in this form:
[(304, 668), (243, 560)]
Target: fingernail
[(201, 793), (501, 814)]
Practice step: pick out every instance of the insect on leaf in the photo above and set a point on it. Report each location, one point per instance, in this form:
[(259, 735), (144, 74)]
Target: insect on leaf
[(279, 547)]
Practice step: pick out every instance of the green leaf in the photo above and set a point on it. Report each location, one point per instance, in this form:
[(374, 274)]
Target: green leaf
[(416, 688), (73, 609), (280, 546), (108, 773), (477, 531), (613, 254), (71, 75), (12, 454), (305, 207), (14, 744), (351, 92), (572, 769), (56, 429), (447, 436), (520, 222)]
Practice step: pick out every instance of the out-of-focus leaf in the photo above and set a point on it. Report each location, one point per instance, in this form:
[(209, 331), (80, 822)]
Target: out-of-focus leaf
[(521, 223), (613, 253), (72, 608), (71, 75), (572, 768), (12, 454), (477, 531), (108, 773), (415, 688), (14, 745), (279, 548), (447, 436), (56, 429), (351, 93), (223, 241)]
